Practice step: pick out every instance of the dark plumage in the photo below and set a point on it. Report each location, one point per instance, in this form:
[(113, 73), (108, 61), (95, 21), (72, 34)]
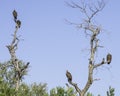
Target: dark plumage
[(18, 23), (15, 15), (109, 58), (69, 76)]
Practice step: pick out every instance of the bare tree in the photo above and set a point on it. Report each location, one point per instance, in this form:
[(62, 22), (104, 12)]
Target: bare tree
[(19, 70), (92, 30)]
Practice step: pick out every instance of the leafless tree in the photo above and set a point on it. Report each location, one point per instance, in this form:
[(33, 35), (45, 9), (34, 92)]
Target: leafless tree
[(18, 70), (93, 30)]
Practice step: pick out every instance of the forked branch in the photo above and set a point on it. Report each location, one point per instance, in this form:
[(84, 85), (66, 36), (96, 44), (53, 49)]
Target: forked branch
[(90, 12)]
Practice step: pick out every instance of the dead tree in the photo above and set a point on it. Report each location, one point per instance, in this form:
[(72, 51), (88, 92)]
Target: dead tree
[(92, 30), (18, 70)]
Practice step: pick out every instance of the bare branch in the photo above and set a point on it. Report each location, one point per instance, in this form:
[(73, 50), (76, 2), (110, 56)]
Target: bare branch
[(90, 11), (90, 79), (76, 87), (12, 50), (74, 5), (100, 64)]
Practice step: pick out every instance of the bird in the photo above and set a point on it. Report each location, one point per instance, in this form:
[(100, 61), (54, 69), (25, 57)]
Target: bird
[(109, 58), (69, 76), (18, 23), (14, 15)]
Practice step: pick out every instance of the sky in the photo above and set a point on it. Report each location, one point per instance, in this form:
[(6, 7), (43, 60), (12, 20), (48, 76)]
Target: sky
[(52, 46)]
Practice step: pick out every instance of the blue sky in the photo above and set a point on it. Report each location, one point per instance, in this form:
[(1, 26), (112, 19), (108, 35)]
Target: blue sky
[(52, 46)]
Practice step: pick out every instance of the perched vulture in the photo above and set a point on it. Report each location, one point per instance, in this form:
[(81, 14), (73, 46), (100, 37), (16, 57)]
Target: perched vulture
[(69, 76), (109, 58), (15, 15), (18, 23)]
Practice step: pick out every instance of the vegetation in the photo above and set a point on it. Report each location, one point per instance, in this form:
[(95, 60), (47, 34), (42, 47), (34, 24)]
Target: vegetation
[(13, 71), (92, 30), (111, 91)]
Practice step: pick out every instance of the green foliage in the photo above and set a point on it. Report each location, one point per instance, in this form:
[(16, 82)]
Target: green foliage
[(38, 90), (89, 94), (59, 91), (8, 72), (111, 91), (7, 86), (7, 83)]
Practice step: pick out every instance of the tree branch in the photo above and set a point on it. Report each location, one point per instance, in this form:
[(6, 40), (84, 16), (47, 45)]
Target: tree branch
[(12, 50), (90, 12), (75, 86)]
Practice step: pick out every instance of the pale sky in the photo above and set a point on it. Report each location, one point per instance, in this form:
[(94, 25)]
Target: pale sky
[(52, 46)]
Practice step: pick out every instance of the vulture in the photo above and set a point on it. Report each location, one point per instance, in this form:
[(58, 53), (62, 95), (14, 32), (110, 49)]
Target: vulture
[(69, 76), (18, 23), (15, 15), (109, 58)]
